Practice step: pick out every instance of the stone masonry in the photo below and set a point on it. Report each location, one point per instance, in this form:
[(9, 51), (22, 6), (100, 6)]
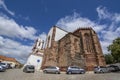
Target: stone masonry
[(79, 48)]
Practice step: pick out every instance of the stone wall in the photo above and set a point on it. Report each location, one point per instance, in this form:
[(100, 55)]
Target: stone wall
[(80, 48)]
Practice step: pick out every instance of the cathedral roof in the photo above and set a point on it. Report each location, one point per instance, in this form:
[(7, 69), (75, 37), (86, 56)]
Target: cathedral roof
[(60, 28), (83, 28)]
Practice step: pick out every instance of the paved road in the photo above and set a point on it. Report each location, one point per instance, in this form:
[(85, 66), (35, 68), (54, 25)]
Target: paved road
[(17, 74)]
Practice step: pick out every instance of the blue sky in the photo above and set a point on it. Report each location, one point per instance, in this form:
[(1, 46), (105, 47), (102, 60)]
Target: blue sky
[(22, 21)]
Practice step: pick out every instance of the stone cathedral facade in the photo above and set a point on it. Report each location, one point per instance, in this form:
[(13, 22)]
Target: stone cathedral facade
[(79, 48)]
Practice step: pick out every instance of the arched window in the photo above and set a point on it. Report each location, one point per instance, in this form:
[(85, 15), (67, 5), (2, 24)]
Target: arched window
[(87, 42), (75, 44), (48, 42)]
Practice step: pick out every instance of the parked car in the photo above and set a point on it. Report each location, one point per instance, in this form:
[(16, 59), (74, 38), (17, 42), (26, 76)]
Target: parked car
[(2, 69), (101, 69), (52, 69), (75, 69), (9, 66), (4, 65), (29, 68), (114, 68)]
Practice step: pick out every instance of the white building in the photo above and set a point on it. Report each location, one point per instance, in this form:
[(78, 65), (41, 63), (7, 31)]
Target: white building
[(35, 60), (36, 56), (12, 61), (55, 34)]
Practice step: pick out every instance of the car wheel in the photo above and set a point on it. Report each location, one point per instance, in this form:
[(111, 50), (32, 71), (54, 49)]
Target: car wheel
[(101, 71), (82, 72), (69, 72), (95, 72), (57, 72), (33, 71), (45, 71)]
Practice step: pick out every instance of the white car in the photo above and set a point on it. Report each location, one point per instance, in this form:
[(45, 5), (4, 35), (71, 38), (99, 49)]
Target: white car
[(5, 65), (2, 69)]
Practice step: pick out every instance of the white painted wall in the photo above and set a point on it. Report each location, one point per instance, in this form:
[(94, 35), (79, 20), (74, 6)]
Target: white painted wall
[(33, 60), (59, 34), (40, 41), (49, 34)]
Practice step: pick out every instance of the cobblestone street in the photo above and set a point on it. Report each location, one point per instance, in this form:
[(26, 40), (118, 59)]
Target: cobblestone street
[(17, 74)]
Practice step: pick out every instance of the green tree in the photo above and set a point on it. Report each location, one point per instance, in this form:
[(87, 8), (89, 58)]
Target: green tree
[(109, 58), (114, 48)]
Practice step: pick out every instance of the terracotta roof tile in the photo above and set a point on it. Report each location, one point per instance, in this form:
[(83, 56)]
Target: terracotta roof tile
[(7, 58)]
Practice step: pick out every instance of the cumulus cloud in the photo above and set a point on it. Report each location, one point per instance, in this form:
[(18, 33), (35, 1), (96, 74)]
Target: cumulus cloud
[(14, 49), (106, 32), (72, 22), (103, 13), (114, 18), (11, 32), (43, 36), (113, 28), (2, 5), (9, 28)]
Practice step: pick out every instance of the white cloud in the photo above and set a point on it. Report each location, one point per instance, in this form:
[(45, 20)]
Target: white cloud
[(70, 23), (103, 13), (113, 28), (106, 32), (14, 49), (10, 30), (2, 5), (8, 27), (43, 36), (116, 17)]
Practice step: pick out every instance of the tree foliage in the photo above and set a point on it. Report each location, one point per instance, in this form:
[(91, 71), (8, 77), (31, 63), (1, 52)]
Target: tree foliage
[(109, 58), (114, 48)]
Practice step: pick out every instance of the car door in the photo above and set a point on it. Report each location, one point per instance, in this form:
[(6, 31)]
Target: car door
[(50, 69), (78, 70), (75, 70), (53, 69)]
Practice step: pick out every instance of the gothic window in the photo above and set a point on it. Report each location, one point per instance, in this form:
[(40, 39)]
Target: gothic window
[(87, 42), (75, 43), (39, 43), (48, 41)]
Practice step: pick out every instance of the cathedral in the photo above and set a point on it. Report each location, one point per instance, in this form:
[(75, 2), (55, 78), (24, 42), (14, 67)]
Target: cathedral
[(78, 48)]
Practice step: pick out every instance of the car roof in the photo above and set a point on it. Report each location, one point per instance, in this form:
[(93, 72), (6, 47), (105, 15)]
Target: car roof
[(75, 66), (29, 65)]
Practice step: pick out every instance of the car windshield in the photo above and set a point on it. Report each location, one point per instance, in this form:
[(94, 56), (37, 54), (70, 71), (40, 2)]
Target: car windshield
[(2, 63), (75, 67), (31, 67), (52, 67)]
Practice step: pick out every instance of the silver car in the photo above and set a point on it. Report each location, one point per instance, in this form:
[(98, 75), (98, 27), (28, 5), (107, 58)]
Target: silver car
[(4, 65), (101, 69), (29, 68), (75, 69), (52, 69), (2, 69)]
